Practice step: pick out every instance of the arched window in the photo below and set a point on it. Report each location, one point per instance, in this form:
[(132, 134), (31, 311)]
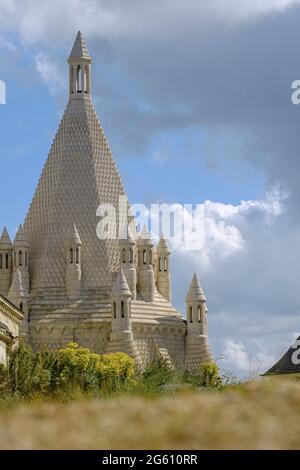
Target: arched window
[(144, 257), (124, 255), (21, 306), (122, 309), (20, 258), (77, 255), (191, 314), (160, 264), (26, 258), (79, 79), (86, 79), (165, 264), (71, 255), (72, 79), (7, 261), (199, 314), (115, 310), (130, 255)]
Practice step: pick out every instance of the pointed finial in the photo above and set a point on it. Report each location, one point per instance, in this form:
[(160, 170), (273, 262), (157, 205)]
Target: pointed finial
[(162, 245), (120, 286), (195, 293), (79, 50), (17, 287), (74, 236), (21, 238), (129, 240), (145, 237), (5, 241)]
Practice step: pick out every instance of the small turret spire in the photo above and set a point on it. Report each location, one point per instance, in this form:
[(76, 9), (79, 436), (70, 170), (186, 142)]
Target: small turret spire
[(79, 50), (21, 238), (195, 293), (5, 241), (80, 68), (120, 286), (163, 245), (74, 236)]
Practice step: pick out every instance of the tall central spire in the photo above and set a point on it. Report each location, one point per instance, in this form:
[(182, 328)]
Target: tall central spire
[(80, 67), (79, 175)]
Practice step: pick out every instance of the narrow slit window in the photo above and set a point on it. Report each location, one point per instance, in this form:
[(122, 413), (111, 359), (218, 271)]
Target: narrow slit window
[(144, 257), (71, 256), (122, 309), (20, 258), (124, 255), (1, 262), (199, 314), (165, 264), (191, 314), (7, 261), (115, 310)]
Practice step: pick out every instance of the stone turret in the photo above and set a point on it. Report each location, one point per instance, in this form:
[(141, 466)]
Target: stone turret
[(127, 261), (73, 264), (121, 337), (79, 68), (18, 295), (197, 348), (5, 262), (17, 292), (146, 281), (21, 256), (163, 277)]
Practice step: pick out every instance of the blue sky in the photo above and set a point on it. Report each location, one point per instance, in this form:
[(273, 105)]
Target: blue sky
[(194, 98)]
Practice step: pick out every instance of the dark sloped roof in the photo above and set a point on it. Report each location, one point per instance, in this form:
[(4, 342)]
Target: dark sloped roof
[(288, 363)]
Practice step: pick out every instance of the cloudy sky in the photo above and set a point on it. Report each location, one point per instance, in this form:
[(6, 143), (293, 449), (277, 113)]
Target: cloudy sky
[(197, 94)]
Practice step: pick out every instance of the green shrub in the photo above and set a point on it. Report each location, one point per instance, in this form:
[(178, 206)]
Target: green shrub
[(77, 367), (206, 376), (69, 371)]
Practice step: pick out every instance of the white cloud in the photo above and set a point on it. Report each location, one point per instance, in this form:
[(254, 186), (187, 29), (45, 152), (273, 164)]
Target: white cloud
[(237, 357), (42, 20), (227, 228), (50, 73), (235, 353)]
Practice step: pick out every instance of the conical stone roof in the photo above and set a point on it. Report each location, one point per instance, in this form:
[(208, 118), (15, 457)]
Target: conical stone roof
[(17, 286), (163, 246), (79, 175), (74, 236), (21, 238), (195, 293), (5, 241), (79, 50), (120, 286), (145, 238), (129, 240)]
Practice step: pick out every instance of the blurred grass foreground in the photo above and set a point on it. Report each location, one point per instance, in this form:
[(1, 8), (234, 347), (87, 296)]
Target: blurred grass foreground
[(74, 399)]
